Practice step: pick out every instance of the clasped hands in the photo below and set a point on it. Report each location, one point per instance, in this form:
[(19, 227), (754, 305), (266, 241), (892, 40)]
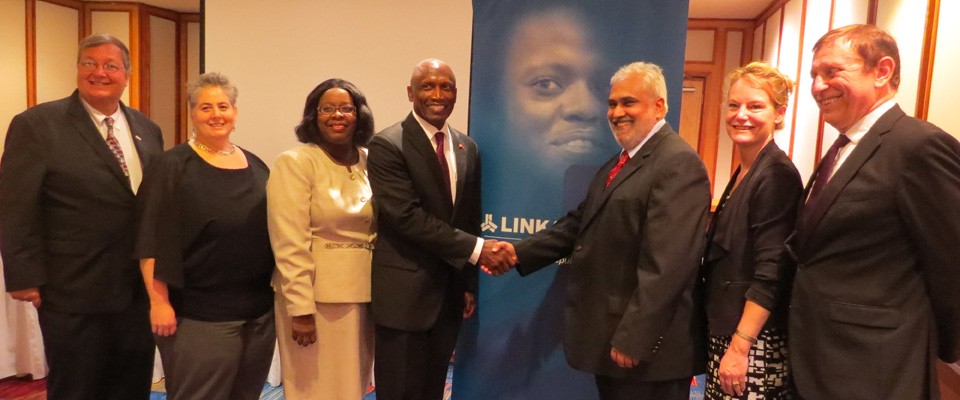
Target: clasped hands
[(496, 257)]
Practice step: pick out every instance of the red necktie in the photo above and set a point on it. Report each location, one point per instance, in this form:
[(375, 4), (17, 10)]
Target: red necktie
[(114, 146), (624, 157), (827, 165), (442, 159)]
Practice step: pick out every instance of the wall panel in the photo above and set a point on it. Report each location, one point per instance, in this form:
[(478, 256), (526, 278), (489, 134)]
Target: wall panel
[(945, 90), (699, 45), (848, 12), (724, 144), (116, 23), (57, 38), (191, 71), (771, 39), (789, 59), (807, 115), (758, 35), (163, 77), (13, 64), (902, 18)]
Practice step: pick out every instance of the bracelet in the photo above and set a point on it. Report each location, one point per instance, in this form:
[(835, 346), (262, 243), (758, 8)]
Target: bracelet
[(745, 336)]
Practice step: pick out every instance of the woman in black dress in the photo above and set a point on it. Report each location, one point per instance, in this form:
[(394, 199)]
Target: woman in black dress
[(746, 305), (205, 256)]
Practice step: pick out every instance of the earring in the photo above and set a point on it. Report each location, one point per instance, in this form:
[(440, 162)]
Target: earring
[(193, 133)]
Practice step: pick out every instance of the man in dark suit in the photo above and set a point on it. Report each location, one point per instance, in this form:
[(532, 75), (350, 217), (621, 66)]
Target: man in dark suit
[(634, 247), (68, 179), (878, 266), (425, 177)]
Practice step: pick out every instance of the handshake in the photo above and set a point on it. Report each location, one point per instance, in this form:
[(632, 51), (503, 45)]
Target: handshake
[(497, 257)]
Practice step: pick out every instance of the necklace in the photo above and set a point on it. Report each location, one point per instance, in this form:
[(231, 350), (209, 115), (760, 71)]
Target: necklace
[(201, 146)]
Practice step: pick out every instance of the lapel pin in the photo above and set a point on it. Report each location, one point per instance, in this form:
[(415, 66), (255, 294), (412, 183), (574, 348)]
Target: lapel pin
[(461, 146), (138, 137)]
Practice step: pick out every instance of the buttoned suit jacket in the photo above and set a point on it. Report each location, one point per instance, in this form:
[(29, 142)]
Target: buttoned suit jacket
[(67, 210), (424, 241), (878, 266), (634, 250)]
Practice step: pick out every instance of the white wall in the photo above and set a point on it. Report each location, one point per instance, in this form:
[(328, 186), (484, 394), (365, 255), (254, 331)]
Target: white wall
[(375, 46)]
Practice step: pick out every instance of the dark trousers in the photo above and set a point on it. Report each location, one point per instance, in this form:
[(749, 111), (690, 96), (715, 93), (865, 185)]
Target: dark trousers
[(218, 360), (103, 356), (623, 389), (412, 365)]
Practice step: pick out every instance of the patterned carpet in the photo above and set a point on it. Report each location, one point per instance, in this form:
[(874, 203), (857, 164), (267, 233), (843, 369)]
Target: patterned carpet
[(27, 389)]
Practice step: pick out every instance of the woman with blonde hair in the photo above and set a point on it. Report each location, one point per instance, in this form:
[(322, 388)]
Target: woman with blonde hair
[(746, 306)]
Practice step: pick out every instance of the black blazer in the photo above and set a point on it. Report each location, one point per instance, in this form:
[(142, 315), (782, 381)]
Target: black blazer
[(634, 249), (67, 210), (875, 296), (423, 242), (748, 230)]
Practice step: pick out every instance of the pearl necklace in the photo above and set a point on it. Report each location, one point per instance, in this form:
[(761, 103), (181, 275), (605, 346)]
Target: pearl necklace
[(201, 146)]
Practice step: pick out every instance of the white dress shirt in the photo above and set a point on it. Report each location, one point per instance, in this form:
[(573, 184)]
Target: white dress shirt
[(121, 129)]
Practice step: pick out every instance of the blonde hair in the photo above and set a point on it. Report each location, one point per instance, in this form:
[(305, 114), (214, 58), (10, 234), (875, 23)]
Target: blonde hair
[(764, 76)]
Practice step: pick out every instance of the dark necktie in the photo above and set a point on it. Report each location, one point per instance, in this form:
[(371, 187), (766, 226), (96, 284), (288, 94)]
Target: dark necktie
[(827, 165), (442, 159), (624, 157), (115, 146)]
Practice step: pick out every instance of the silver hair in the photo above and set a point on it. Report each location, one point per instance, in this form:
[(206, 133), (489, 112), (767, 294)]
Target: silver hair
[(207, 80), (100, 39), (650, 74)]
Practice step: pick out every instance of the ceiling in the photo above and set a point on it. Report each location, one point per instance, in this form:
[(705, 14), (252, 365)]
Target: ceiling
[(726, 9)]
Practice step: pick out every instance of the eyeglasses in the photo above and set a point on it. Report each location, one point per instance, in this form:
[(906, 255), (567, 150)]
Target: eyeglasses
[(88, 65), (346, 109)]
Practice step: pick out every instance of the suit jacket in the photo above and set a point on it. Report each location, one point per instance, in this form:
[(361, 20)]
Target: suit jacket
[(875, 295), (424, 242), (634, 249), (321, 224), (748, 231), (67, 210)]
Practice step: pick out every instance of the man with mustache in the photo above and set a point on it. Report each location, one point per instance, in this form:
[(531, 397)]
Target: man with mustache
[(634, 248), (68, 181), (425, 177), (874, 299)]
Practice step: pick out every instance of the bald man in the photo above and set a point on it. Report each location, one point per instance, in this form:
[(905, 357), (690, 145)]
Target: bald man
[(425, 177)]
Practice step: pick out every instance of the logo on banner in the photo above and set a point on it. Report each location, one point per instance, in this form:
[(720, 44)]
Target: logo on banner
[(520, 226)]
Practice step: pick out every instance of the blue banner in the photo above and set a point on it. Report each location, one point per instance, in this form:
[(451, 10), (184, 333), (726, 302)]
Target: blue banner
[(539, 87)]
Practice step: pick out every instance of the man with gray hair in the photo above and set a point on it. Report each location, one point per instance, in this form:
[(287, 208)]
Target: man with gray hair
[(633, 246), (70, 174)]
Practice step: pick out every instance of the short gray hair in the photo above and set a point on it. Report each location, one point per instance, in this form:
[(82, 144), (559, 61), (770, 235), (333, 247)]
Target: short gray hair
[(100, 39), (650, 74), (207, 80)]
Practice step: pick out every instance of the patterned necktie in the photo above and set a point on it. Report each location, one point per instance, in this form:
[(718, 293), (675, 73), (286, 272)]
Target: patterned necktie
[(442, 159), (115, 146), (624, 157), (828, 163)]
